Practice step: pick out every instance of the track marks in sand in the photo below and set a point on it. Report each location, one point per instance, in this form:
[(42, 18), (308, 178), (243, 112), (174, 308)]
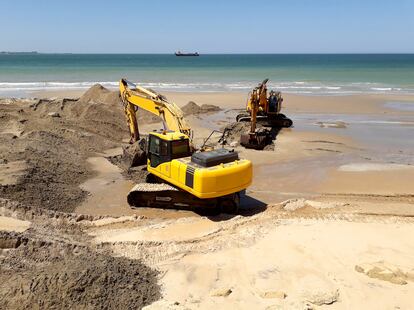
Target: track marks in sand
[(158, 243), (180, 230)]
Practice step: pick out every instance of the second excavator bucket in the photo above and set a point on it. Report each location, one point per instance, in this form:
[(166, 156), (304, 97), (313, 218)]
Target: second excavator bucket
[(256, 140)]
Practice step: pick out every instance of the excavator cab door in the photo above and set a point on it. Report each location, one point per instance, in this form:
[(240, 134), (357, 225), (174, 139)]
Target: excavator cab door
[(159, 155)]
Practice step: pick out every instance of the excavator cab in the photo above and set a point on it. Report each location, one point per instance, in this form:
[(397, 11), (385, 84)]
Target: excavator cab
[(167, 146)]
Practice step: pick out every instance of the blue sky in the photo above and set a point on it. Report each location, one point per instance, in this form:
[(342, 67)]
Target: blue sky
[(297, 26)]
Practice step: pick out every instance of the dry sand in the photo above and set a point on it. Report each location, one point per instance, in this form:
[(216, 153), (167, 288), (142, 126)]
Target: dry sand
[(327, 222), (8, 223)]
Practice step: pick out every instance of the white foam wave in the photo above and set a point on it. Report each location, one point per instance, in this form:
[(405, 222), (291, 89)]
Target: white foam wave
[(43, 85), (298, 87), (382, 88)]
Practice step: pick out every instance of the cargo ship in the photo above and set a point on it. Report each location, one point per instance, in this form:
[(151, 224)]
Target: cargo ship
[(186, 54)]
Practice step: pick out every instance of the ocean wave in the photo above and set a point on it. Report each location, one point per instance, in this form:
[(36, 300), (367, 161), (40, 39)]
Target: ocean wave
[(298, 87), (382, 88)]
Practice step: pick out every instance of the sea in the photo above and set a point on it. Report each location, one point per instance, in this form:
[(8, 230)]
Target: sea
[(310, 74)]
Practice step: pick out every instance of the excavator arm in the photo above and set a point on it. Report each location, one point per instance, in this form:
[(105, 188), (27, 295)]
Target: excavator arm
[(134, 97)]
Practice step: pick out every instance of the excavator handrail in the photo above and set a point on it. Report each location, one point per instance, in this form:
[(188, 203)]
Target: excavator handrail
[(134, 96)]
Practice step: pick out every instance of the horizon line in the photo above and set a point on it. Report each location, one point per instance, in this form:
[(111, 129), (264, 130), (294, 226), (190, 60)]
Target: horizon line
[(200, 53)]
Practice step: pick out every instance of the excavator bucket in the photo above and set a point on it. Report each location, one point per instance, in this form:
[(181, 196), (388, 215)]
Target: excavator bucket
[(256, 140), (135, 154)]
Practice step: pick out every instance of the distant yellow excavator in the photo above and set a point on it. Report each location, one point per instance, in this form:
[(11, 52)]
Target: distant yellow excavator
[(178, 175), (262, 109), (267, 108)]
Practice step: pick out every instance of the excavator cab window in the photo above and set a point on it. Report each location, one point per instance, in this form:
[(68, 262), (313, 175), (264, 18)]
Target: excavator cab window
[(180, 148), (273, 102), (158, 151), (161, 151)]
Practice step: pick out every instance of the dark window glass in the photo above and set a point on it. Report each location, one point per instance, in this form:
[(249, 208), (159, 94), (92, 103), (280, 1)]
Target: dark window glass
[(158, 151), (163, 148), (180, 148), (154, 145)]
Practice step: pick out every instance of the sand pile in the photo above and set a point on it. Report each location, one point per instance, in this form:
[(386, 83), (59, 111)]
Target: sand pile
[(53, 138), (54, 276), (99, 111), (52, 266), (99, 94), (192, 108), (54, 168)]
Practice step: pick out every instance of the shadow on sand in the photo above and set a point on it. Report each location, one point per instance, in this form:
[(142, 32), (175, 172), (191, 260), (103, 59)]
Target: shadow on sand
[(248, 206)]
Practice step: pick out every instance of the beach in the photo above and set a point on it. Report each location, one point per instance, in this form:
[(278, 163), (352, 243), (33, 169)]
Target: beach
[(326, 223), (179, 155)]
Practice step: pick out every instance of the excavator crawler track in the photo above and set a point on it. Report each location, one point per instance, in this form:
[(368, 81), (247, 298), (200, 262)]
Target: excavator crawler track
[(281, 121), (166, 196)]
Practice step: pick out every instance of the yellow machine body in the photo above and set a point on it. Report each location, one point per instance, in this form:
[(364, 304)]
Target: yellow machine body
[(260, 95), (264, 108), (203, 182)]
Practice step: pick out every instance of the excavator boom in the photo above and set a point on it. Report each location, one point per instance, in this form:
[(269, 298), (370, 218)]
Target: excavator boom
[(134, 97)]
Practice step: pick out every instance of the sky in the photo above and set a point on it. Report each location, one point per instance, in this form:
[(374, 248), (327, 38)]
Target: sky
[(213, 26)]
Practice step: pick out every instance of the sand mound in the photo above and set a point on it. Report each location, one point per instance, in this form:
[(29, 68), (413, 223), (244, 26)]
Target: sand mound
[(192, 108), (99, 110), (67, 277), (55, 149), (101, 95), (97, 93), (54, 168)]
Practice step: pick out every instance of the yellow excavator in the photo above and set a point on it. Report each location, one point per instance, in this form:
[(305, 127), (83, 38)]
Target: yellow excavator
[(179, 176), (266, 106)]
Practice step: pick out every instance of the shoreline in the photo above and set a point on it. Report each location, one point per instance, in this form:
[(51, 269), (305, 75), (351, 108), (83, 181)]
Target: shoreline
[(293, 103)]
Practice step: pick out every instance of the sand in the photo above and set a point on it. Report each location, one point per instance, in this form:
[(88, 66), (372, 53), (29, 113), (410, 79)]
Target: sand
[(11, 224), (327, 222), (307, 260)]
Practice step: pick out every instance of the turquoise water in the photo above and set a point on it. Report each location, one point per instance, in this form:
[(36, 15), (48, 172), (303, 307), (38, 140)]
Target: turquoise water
[(303, 74)]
